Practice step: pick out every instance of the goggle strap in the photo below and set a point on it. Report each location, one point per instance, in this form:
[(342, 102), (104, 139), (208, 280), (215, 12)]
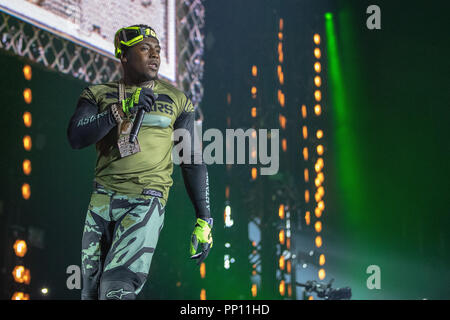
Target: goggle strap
[(124, 35), (133, 41), (142, 32)]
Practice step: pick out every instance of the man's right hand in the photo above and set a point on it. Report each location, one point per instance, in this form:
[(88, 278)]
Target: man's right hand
[(142, 98)]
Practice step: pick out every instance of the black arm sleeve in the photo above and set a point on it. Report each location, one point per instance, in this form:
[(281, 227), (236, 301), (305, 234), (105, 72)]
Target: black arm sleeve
[(87, 126), (195, 174)]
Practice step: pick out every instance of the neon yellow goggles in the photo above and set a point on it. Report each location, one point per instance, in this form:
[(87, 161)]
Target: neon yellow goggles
[(129, 36)]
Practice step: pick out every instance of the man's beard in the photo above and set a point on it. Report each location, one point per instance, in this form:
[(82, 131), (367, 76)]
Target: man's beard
[(144, 77)]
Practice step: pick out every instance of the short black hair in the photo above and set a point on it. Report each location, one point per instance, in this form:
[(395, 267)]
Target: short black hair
[(142, 26)]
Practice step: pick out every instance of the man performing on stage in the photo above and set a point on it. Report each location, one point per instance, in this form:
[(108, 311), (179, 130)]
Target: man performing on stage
[(132, 179)]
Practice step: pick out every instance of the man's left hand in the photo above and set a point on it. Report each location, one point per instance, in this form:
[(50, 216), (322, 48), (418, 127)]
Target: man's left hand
[(201, 235)]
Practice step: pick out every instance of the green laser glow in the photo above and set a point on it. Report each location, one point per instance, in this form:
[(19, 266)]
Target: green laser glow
[(345, 139), (334, 67)]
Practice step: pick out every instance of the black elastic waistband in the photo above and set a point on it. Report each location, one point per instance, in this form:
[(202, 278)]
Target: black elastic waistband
[(145, 192)]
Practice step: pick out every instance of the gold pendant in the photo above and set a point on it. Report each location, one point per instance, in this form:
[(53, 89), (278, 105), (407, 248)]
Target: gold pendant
[(123, 142)]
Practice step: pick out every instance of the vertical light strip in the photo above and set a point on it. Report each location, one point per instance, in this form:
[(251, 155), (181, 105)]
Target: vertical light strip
[(27, 141), (284, 232), (281, 79), (319, 164), (21, 274)]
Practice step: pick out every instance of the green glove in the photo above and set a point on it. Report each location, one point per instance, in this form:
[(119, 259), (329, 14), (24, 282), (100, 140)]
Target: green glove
[(202, 234), (142, 98)]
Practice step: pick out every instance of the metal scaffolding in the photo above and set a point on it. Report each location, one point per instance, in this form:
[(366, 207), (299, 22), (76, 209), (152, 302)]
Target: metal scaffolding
[(56, 53)]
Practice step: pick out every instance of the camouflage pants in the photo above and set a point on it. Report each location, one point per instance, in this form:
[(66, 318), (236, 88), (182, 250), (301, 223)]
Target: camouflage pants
[(119, 238)]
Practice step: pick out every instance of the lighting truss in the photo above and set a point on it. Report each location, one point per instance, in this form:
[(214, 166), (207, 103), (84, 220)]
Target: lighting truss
[(61, 55)]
